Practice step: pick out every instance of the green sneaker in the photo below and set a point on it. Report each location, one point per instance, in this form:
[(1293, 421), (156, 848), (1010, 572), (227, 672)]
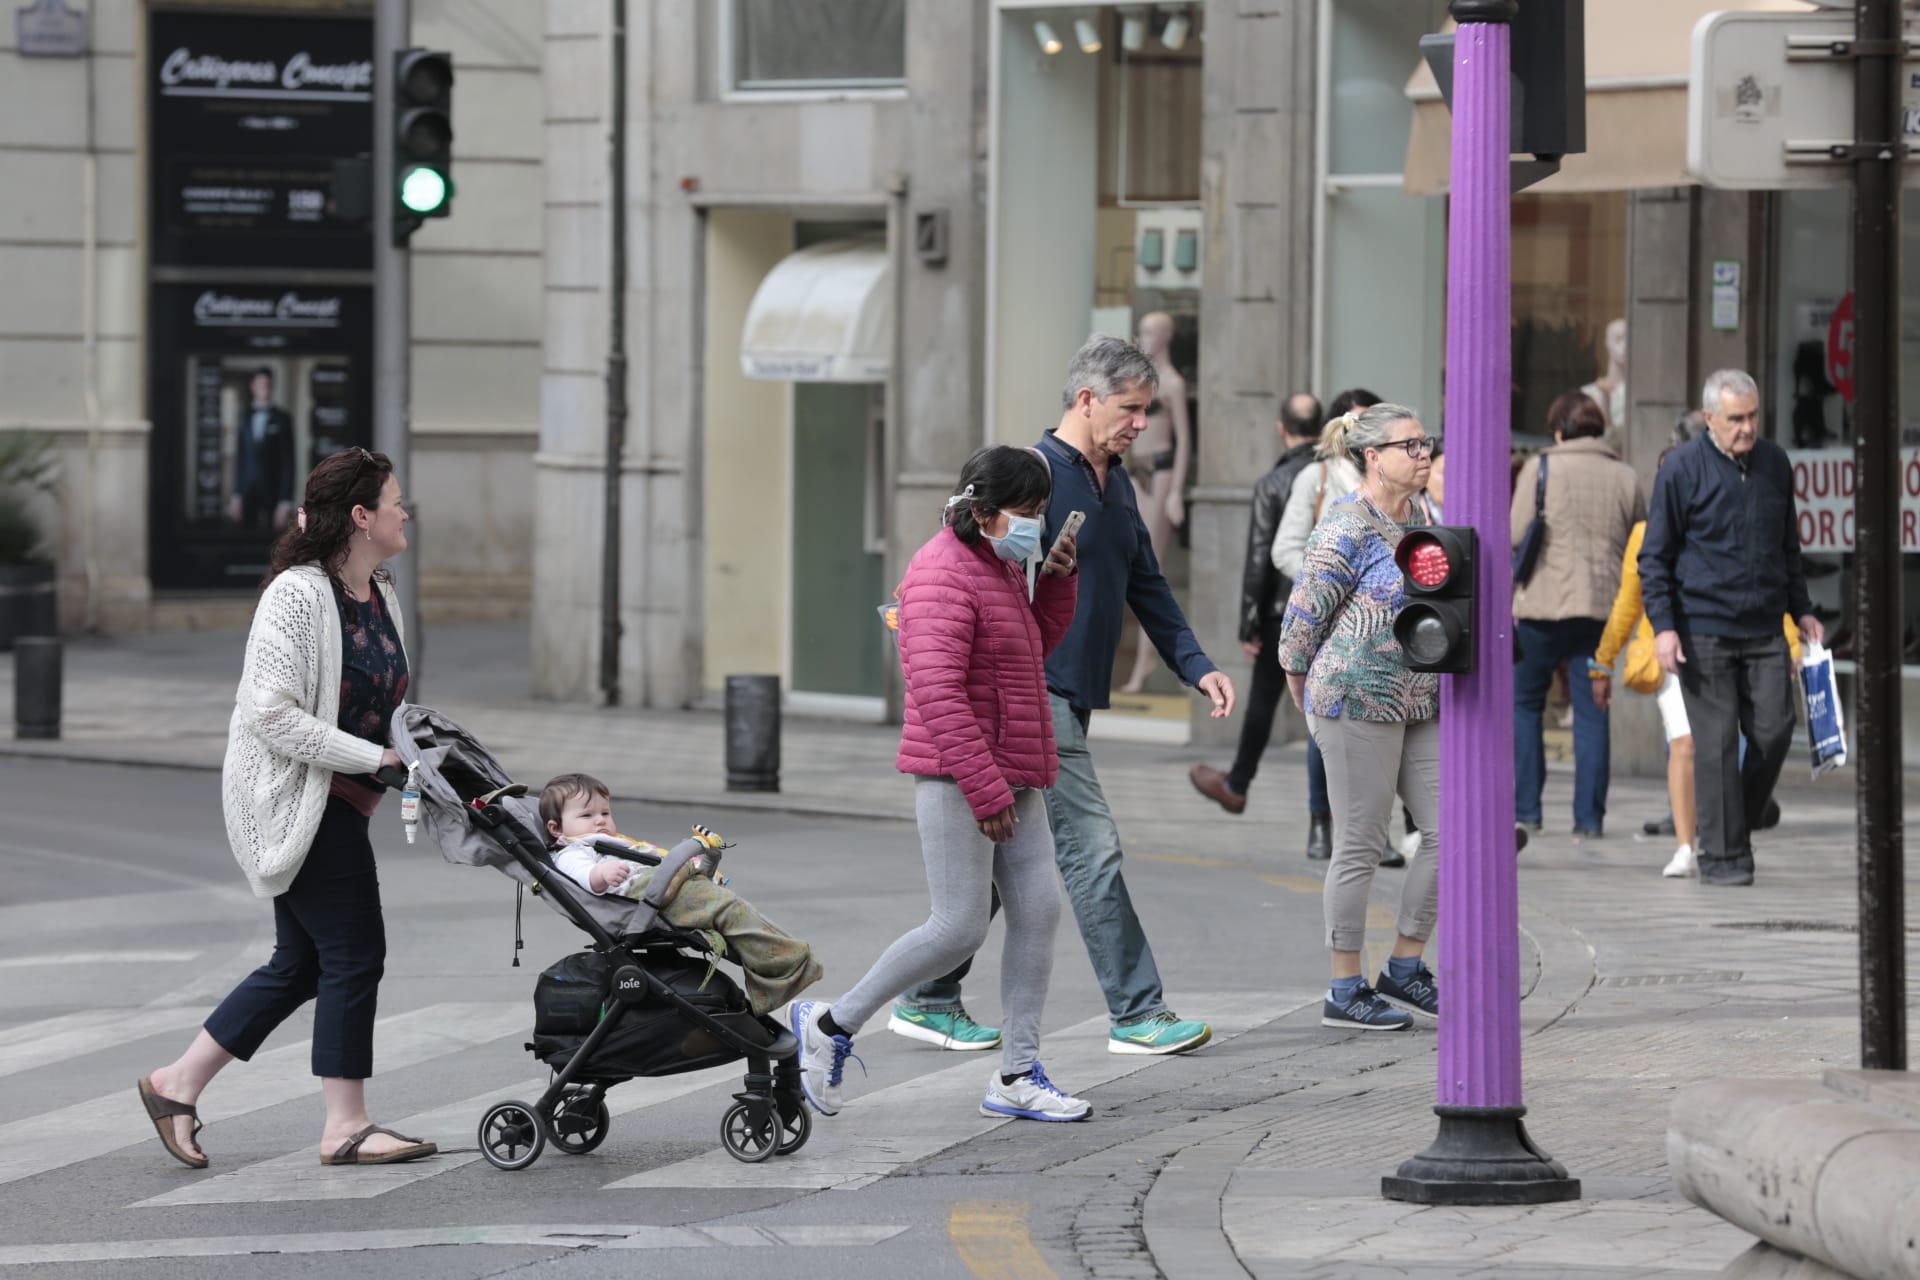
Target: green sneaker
[(1158, 1032), (950, 1029)]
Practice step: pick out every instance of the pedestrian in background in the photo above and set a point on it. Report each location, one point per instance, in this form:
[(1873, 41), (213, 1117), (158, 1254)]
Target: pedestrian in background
[(1628, 630), (1376, 721), (1591, 503), (1719, 565), (326, 667), (978, 739), (1263, 594)]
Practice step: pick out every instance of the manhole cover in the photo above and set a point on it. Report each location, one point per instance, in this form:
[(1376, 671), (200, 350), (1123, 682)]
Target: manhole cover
[(1666, 979)]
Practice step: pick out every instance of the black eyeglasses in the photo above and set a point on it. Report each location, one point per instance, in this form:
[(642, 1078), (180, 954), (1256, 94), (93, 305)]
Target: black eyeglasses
[(1418, 447), (364, 457)]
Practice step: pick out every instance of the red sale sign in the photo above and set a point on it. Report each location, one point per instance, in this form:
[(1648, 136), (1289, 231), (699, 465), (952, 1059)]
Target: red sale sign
[(1840, 349)]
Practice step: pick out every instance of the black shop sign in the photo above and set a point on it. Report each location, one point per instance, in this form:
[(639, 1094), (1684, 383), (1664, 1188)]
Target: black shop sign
[(249, 112)]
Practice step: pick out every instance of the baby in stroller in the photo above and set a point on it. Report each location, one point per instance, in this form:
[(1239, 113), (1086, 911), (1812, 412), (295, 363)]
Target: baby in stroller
[(577, 810)]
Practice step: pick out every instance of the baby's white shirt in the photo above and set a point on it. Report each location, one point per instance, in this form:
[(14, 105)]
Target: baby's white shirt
[(576, 860)]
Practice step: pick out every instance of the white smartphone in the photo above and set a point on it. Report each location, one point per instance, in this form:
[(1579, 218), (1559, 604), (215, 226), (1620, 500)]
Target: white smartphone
[(1068, 528)]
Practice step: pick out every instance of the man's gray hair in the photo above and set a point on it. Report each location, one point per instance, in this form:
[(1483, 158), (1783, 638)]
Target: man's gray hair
[(1105, 365), (1738, 381)]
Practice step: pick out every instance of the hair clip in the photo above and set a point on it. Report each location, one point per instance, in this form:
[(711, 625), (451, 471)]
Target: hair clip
[(300, 518)]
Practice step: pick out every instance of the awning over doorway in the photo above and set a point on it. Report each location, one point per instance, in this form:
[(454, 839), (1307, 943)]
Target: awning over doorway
[(1637, 57), (823, 314)]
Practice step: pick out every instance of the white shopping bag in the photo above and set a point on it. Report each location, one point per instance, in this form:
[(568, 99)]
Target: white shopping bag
[(1826, 721)]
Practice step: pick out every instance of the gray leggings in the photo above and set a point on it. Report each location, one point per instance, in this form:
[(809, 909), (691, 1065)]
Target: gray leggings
[(962, 869), (1367, 763)]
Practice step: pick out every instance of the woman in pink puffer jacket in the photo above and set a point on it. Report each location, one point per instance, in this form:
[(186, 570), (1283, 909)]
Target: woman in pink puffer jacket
[(974, 635)]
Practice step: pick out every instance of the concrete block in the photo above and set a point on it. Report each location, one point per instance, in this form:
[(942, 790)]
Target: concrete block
[(43, 102), (1896, 1091), (575, 81), (496, 209), (576, 17), (576, 253), (497, 112), (43, 290), (491, 299), (482, 34), (469, 384)]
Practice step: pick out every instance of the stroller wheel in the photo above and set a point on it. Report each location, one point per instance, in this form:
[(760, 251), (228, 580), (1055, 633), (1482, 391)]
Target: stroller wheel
[(795, 1129), (750, 1132), (580, 1122), (512, 1136)]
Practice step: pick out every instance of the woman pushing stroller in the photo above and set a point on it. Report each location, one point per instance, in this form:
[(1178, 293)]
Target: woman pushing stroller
[(978, 739)]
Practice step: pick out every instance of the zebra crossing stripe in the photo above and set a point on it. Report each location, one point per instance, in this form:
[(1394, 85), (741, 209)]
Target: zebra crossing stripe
[(299, 1176), (877, 1133), (63, 1039), (595, 1236), (55, 1139)]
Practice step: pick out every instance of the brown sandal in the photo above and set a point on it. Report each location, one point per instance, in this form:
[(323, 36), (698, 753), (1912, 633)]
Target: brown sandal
[(348, 1152), (162, 1111)]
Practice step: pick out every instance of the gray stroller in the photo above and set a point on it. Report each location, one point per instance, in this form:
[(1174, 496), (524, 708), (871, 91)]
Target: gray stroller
[(643, 1000)]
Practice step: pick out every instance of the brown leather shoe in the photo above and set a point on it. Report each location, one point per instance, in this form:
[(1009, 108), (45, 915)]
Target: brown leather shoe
[(1212, 784)]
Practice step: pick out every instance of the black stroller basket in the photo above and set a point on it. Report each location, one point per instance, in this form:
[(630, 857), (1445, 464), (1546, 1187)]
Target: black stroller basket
[(768, 1117)]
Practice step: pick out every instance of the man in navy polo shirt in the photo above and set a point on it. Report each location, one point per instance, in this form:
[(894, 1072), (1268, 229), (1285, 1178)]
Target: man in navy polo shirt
[(1109, 386)]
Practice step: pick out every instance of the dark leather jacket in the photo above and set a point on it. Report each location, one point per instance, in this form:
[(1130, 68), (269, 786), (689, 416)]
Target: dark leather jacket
[(1263, 591)]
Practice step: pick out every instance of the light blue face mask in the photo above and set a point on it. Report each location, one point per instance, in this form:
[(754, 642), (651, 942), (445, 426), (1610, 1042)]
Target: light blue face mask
[(1021, 541)]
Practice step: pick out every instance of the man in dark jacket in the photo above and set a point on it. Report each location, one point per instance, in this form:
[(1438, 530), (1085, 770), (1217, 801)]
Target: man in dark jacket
[(1719, 565), (1263, 596), (263, 460)]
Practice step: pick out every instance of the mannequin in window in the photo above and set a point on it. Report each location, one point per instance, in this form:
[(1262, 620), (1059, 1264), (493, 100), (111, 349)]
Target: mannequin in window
[(1609, 390), (1163, 449)]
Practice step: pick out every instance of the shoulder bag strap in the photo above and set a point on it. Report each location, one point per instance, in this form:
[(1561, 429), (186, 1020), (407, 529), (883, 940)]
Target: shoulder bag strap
[(1320, 495), (1540, 490)]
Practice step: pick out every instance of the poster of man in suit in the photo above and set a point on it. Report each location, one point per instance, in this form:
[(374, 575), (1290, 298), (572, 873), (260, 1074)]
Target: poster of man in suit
[(264, 459)]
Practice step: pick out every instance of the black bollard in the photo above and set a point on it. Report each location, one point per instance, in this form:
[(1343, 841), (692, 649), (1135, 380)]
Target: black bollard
[(753, 733), (36, 687)]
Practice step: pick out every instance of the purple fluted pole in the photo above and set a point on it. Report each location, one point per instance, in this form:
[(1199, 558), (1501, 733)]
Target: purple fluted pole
[(1482, 1154), (1479, 930)]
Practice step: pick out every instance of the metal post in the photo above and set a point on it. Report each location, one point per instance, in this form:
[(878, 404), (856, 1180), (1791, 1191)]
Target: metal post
[(36, 687), (616, 369), (393, 318), (1877, 562), (1482, 1154)]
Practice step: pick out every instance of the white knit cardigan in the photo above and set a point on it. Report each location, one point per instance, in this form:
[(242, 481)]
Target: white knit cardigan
[(283, 744)]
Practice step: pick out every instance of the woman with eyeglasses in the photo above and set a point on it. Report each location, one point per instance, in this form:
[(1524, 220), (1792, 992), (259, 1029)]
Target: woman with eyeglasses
[(326, 665), (1376, 722)]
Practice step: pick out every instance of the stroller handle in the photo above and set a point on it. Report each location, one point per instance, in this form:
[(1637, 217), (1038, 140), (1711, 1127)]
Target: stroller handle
[(393, 776)]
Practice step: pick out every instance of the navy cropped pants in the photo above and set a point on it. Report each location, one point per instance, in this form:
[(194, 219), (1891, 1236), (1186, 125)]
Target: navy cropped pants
[(330, 947)]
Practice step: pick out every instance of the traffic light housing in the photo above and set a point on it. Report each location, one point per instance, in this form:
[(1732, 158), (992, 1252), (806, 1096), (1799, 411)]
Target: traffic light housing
[(1435, 627), (422, 139)]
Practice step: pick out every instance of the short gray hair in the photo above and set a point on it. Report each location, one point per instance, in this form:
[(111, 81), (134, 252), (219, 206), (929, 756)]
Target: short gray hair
[(1358, 430), (1105, 365), (1738, 381)]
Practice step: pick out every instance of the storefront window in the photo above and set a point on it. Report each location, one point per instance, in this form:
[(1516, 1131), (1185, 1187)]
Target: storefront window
[(1569, 289), (786, 45), (1807, 407)]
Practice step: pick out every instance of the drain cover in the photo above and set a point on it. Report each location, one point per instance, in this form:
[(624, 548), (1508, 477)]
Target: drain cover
[(1791, 926), (1667, 979)]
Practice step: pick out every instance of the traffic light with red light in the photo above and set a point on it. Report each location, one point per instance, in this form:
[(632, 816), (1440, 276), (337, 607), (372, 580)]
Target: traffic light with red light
[(422, 139), (1435, 626)]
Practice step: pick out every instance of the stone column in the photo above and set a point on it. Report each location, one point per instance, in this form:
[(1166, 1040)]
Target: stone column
[(1256, 304)]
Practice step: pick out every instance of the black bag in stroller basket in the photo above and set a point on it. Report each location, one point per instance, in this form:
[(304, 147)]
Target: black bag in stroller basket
[(651, 1038)]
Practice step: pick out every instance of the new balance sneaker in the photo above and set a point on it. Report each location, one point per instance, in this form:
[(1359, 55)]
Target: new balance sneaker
[(1419, 994), (1683, 865), (823, 1058), (1364, 1010), (1032, 1097), (1160, 1032), (948, 1028)]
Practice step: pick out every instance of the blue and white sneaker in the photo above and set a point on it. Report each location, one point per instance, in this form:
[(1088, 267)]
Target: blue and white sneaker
[(1418, 995), (1364, 1010), (1032, 1097), (823, 1058)]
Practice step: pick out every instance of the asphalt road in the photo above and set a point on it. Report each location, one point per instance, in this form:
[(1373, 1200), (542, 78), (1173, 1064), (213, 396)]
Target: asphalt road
[(123, 919)]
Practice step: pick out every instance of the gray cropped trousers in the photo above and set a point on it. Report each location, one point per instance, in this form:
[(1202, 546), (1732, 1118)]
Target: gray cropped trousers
[(1369, 762), (963, 867)]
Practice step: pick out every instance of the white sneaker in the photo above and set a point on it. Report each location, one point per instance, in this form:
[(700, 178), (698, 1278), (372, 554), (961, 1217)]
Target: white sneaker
[(1684, 864), (1410, 845), (1032, 1097), (823, 1058)]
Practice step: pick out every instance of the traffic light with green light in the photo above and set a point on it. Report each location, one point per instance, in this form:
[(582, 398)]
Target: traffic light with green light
[(422, 139), (1437, 574)]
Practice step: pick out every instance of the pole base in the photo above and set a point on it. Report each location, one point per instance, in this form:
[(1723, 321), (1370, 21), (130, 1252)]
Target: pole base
[(752, 782), (1482, 1155)]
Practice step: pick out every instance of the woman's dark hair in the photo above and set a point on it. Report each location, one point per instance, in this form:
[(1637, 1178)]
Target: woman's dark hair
[(1349, 400), (1574, 415), (1001, 476), (342, 481)]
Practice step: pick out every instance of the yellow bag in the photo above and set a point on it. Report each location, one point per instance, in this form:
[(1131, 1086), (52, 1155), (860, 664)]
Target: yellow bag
[(1639, 668)]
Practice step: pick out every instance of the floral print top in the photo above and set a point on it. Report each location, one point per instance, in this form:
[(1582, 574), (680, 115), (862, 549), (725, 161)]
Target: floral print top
[(373, 683), (1338, 626)]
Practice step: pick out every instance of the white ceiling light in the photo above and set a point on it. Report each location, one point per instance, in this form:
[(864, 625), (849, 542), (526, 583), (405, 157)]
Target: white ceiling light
[(1049, 42), (1175, 35), (1133, 29), (1087, 34)]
